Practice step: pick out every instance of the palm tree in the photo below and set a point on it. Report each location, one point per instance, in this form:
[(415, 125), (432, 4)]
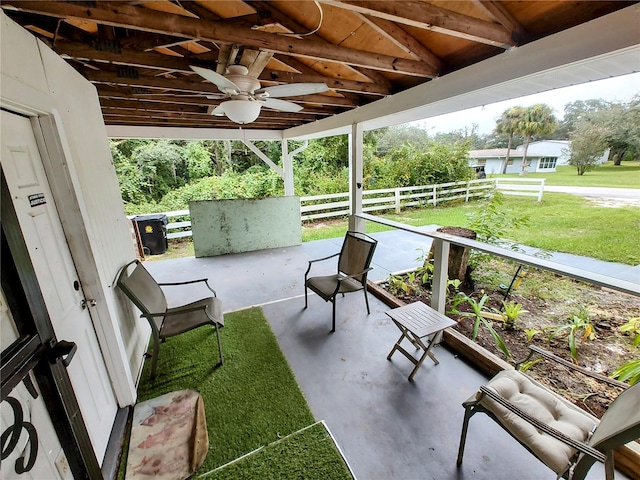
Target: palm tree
[(508, 123), (536, 120)]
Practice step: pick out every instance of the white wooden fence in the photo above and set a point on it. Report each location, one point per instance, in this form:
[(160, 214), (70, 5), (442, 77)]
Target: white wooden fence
[(393, 199)]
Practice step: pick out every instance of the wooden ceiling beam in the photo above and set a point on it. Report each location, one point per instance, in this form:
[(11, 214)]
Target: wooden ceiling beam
[(333, 83), (105, 90), (129, 112), (396, 34), (209, 122), (125, 57), (159, 61), (430, 17), (267, 9), (499, 12), (147, 105), (187, 84), (139, 18)]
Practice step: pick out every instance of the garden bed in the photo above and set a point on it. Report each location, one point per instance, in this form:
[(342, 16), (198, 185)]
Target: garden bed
[(551, 303)]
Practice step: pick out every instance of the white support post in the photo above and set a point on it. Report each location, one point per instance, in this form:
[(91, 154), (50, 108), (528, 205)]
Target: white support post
[(397, 195), (440, 274), (263, 157), (355, 177), (287, 163)]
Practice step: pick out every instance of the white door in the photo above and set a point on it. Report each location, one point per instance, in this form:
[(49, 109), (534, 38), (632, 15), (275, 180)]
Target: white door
[(57, 277), (30, 446)]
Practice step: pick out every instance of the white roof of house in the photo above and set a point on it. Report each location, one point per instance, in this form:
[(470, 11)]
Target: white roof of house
[(501, 153)]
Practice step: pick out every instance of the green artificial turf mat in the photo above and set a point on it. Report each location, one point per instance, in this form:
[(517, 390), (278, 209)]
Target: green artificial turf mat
[(309, 454), (250, 401)]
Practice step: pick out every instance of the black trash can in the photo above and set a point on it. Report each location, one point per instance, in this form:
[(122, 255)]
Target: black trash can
[(153, 232)]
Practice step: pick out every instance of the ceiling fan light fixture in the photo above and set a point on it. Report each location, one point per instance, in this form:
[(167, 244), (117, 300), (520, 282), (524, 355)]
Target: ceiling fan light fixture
[(241, 111)]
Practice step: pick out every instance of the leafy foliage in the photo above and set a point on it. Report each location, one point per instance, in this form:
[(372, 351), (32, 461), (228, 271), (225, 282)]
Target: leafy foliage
[(479, 319), (587, 146), (535, 120), (491, 221), (510, 312), (578, 327), (407, 165), (508, 124), (630, 372)]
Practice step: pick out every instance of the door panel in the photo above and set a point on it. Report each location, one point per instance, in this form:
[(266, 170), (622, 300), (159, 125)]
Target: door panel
[(57, 277), (31, 440)]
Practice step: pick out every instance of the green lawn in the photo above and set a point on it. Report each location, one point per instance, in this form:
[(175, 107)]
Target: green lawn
[(626, 175), (561, 222)]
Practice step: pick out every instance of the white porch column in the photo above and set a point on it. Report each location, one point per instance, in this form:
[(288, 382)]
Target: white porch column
[(287, 164), (440, 274), (355, 177)]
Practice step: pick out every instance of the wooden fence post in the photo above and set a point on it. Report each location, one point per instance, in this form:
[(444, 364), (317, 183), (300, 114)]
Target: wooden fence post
[(397, 194)]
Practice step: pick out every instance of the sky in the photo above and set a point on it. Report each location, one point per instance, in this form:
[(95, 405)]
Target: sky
[(616, 89)]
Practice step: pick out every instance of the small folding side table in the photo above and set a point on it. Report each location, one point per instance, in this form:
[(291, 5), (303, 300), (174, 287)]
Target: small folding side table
[(417, 322)]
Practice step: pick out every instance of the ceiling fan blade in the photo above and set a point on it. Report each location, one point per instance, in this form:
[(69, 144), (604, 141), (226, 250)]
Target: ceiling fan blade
[(224, 84), (218, 111), (294, 89), (281, 105)]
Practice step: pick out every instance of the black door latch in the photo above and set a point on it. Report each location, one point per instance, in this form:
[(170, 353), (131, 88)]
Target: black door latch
[(58, 350)]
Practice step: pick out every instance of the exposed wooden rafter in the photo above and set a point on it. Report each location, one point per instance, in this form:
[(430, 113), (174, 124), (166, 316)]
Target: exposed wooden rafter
[(140, 18), (139, 53), (424, 15)]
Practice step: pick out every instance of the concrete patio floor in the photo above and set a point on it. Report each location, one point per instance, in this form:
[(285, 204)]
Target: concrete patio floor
[(387, 427)]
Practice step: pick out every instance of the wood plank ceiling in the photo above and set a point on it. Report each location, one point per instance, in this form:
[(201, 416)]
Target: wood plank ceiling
[(138, 53)]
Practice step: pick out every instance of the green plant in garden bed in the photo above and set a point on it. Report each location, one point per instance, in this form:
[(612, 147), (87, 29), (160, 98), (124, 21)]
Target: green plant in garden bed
[(630, 371), (578, 327), (510, 312), (478, 319)]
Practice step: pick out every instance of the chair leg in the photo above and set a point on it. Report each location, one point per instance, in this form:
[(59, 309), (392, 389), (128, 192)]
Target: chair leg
[(305, 293), (156, 351), (366, 299), (468, 413), (609, 467), (333, 324), (219, 342)]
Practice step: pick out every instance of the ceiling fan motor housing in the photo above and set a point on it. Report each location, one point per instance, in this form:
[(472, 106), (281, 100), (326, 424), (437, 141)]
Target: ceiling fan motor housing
[(238, 74)]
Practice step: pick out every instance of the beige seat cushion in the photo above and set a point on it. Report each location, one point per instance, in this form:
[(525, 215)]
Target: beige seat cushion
[(544, 405), (325, 286)]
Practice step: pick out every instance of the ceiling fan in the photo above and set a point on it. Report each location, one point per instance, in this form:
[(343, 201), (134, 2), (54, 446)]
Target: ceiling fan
[(246, 97)]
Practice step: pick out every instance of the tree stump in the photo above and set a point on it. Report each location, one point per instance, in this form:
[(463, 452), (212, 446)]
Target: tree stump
[(458, 256)]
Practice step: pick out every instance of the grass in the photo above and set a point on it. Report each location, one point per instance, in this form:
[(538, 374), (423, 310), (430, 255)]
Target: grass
[(561, 222), (289, 458), (250, 401), (625, 175)]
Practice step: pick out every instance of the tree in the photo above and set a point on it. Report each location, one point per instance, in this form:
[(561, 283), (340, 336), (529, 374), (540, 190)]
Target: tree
[(579, 111), (588, 143), (508, 124), (622, 122), (536, 120)]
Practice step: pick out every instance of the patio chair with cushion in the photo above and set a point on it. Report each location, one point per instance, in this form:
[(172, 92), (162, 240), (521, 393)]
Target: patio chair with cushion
[(353, 265), (147, 295), (564, 437)]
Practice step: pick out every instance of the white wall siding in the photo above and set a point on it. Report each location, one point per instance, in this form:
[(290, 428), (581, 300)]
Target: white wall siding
[(37, 82)]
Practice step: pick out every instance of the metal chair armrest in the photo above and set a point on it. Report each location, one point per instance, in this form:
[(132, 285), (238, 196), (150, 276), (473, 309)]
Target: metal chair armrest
[(318, 260), (576, 368), (187, 282), (580, 446)]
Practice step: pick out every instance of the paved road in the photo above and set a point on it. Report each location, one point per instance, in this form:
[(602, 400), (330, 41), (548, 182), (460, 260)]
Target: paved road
[(604, 195)]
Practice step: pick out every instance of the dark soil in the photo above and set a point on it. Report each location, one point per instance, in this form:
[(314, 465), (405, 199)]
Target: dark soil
[(552, 301)]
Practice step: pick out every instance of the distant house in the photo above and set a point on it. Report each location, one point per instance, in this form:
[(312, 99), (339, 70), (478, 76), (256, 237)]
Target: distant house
[(561, 149), (493, 160), (551, 148)]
